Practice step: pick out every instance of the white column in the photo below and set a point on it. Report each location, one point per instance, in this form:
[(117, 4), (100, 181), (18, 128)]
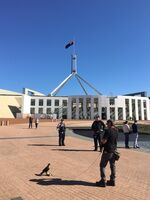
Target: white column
[(99, 107), (148, 109), (69, 110), (116, 113), (136, 109), (130, 107), (142, 110), (44, 105)]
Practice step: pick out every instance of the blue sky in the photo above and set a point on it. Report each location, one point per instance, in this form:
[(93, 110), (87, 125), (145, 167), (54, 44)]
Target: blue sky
[(112, 45)]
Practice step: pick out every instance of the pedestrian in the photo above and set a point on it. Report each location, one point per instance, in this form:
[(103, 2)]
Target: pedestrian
[(135, 133), (126, 131), (30, 121), (97, 127), (36, 122), (61, 131), (109, 142)]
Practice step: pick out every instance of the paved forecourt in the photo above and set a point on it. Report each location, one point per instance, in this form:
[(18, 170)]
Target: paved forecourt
[(75, 167)]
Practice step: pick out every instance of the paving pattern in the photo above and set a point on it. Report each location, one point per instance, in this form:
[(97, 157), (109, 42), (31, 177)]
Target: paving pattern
[(75, 167)]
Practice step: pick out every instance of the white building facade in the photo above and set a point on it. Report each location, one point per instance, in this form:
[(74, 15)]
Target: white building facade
[(87, 106)]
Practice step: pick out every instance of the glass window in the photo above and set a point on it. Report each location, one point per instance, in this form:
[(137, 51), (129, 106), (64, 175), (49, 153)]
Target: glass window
[(40, 102), (32, 102), (104, 112), (144, 104), (120, 113), (48, 102), (48, 110), (56, 102), (32, 110), (40, 110), (112, 113), (64, 103), (112, 101), (56, 111)]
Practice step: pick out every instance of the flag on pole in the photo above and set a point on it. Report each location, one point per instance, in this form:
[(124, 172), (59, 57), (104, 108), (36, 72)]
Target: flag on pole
[(69, 44)]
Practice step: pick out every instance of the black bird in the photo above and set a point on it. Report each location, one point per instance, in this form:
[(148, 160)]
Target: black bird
[(45, 170)]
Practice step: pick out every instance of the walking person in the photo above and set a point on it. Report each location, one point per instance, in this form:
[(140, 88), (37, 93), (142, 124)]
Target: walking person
[(36, 122), (30, 121), (109, 142), (61, 131), (126, 131), (135, 133), (97, 127)]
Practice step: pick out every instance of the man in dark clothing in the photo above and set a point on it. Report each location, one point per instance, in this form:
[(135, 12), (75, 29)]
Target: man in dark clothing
[(136, 135), (97, 127), (30, 121), (61, 130), (109, 142)]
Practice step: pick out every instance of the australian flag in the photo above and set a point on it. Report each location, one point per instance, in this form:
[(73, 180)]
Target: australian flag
[(69, 44)]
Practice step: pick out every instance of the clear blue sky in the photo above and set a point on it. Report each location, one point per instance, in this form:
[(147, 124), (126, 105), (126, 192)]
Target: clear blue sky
[(112, 44)]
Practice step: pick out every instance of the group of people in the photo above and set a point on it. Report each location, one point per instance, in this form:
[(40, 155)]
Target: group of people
[(106, 137), (36, 121), (127, 129)]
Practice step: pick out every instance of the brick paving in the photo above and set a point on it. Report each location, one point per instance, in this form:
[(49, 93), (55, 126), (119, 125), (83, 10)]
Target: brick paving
[(75, 167)]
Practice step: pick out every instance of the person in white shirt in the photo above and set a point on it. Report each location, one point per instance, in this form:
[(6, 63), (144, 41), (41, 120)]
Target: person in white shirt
[(126, 130)]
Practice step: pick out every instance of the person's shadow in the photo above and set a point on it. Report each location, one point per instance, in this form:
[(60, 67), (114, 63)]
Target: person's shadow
[(59, 181)]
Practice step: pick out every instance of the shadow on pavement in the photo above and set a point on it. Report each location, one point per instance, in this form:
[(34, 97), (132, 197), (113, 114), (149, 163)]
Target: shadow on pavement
[(71, 150), (38, 145), (59, 181)]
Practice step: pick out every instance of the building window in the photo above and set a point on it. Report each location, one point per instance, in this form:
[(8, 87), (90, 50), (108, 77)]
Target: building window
[(111, 101), (40, 110), (48, 110), (104, 112), (64, 103), (32, 110), (144, 104), (127, 108), (120, 113), (56, 111), (40, 102), (73, 105), (81, 116), (139, 110), (88, 108), (145, 114), (48, 102), (112, 113), (64, 113), (95, 105), (133, 110), (56, 102), (32, 102)]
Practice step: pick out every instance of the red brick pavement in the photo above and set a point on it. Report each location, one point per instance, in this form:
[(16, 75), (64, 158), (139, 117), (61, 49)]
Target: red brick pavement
[(75, 167)]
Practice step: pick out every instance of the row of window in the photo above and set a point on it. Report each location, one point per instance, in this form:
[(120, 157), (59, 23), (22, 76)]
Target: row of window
[(48, 102)]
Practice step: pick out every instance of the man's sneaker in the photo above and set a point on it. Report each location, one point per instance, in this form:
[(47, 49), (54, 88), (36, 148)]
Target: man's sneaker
[(101, 183), (111, 183)]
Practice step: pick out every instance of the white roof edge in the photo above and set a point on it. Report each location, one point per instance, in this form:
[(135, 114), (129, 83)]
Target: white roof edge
[(8, 92)]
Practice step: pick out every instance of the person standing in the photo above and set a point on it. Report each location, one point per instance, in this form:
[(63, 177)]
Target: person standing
[(30, 121), (109, 142), (97, 127), (135, 133), (126, 130), (61, 131), (36, 122)]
